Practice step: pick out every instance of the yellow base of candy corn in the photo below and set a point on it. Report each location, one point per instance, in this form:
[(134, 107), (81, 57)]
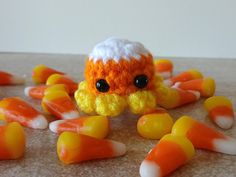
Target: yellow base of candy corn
[(12, 140), (154, 126)]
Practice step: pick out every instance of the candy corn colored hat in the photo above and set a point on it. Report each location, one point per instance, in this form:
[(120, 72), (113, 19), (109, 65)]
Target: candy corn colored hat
[(119, 66)]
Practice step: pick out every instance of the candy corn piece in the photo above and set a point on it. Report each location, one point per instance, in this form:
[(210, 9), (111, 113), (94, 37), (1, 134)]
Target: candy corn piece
[(220, 111), (9, 79), (172, 98), (95, 126), (12, 141), (38, 92), (206, 86), (184, 76), (59, 104), (63, 79), (204, 137), (155, 125), (74, 148), (169, 154), (41, 73), (14, 109), (164, 67)]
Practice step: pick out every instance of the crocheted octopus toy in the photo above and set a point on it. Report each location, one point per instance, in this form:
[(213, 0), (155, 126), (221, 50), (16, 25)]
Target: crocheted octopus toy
[(121, 74)]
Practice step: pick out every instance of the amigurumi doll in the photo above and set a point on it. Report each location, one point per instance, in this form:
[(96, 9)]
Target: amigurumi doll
[(120, 74)]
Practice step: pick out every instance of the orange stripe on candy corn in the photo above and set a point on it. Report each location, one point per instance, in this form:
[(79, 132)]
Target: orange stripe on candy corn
[(59, 104), (170, 153), (206, 86), (186, 97), (12, 141), (223, 111), (15, 109), (75, 148), (63, 79), (95, 126), (9, 79), (171, 97), (38, 92), (41, 73), (164, 67), (220, 111), (203, 136), (184, 76)]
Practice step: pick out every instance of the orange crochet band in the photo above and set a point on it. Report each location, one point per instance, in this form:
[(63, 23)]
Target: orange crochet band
[(120, 75)]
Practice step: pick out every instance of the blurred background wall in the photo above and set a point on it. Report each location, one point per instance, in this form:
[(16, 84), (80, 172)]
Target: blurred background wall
[(184, 28)]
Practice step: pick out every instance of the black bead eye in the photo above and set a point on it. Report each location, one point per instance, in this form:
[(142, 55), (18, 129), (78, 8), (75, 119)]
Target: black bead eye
[(141, 81), (102, 85)]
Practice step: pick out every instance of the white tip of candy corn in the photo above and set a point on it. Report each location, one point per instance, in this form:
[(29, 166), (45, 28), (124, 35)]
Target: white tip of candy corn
[(196, 93), (119, 148), (39, 122), (176, 85), (168, 82), (224, 122), (27, 90), (149, 169), (53, 126), (227, 146), (70, 115), (17, 79)]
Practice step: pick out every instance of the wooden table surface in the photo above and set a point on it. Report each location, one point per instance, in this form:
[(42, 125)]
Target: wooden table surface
[(41, 159)]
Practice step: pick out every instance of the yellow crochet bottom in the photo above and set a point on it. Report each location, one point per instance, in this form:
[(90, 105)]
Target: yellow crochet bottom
[(113, 104)]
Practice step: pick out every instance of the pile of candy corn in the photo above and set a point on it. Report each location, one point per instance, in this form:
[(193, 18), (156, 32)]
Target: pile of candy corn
[(83, 138), (80, 138)]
